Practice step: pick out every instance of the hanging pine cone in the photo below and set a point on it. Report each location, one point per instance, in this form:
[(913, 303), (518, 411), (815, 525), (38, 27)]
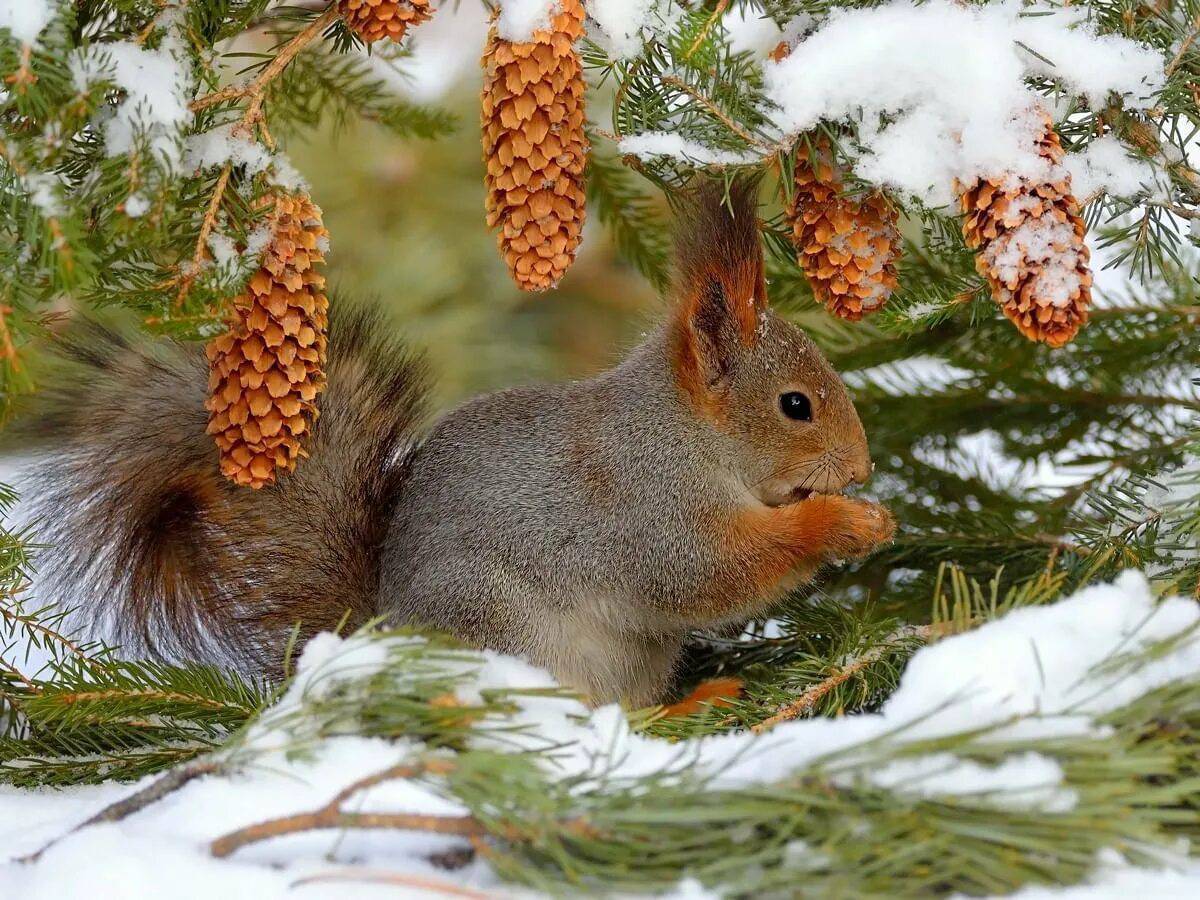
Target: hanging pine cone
[(535, 149), (848, 246), (373, 20), (1029, 238), (267, 369)]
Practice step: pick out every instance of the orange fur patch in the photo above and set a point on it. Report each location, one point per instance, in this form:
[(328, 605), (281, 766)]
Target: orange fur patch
[(713, 692)]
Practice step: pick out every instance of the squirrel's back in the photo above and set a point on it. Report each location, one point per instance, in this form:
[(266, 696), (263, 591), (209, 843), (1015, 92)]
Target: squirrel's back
[(173, 560)]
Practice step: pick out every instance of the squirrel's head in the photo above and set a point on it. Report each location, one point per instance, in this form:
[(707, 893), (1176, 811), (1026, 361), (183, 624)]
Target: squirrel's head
[(757, 378)]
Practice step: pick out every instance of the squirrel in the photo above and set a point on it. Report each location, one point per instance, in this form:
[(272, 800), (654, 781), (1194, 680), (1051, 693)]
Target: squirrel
[(588, 526)]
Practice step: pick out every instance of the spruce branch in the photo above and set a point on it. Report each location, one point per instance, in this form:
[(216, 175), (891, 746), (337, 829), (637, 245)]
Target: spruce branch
[(807, 701), (331, 815), (137, 801)]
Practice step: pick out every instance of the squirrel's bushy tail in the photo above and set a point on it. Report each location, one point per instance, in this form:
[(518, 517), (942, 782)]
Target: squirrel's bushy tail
[(172, 560)]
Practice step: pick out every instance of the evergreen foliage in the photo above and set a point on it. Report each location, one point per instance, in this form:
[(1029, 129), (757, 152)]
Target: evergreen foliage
[(942, 381)]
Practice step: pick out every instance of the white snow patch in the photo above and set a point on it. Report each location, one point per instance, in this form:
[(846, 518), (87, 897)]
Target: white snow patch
[(651, 144), (625, 25), (136, 205), (519, 19), (1105, 165), (960, 108), (25, 19), (158, 84), (223, 144)]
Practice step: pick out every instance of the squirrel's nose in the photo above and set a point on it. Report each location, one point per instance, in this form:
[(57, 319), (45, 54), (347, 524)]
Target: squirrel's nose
[(862, 467)]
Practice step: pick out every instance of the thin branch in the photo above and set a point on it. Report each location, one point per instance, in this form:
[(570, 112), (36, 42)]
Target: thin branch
[(708, 26), (379, 876), (331, 815), (1184, 46), (256, 91), (137, 801), (812, 695), (714, 110), (206, 227)]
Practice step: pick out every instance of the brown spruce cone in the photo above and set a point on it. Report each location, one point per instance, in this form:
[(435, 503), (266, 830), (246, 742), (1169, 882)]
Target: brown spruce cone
[(1029, 238), (266, 371), (848, 246), (535, 149), (373, 20)]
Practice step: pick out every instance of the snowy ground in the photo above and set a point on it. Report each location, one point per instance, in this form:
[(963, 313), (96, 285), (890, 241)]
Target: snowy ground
[(1025, 667)]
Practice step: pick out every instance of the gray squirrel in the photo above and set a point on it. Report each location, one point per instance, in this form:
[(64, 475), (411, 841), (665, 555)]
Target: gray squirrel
[(588, 526)]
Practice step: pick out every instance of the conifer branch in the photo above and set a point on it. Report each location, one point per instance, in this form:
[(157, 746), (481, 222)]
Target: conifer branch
[(807, 701), (137, 801), (331, 815)]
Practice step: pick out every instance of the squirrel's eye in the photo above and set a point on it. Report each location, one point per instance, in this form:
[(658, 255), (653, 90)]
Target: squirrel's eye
[(796, 405)]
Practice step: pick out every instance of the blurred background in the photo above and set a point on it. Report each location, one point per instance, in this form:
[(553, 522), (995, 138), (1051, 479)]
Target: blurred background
[(407, 226)]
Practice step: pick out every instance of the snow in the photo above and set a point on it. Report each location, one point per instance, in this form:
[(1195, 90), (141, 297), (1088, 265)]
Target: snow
[(1106, 165), (519, 19), (624, 25), (212, 149), (961, 108), (158, 85), (1178, 878), (1034, 673), (25, 19), (136, 205), (44, 192), (651, 144)]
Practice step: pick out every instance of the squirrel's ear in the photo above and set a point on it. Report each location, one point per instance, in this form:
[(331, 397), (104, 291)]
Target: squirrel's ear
[(720, 288)]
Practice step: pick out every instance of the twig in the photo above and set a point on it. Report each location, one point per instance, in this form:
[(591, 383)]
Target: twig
[(379, 876), (145, 693), (137, 801), (206, 227), (813, 694), (331, 815), (256, 90), (708, 26), (31, 624), (713, 109), (1184, 46)]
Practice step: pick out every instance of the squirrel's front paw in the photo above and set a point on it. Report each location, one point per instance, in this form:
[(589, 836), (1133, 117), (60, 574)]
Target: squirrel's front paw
[(854, 527)]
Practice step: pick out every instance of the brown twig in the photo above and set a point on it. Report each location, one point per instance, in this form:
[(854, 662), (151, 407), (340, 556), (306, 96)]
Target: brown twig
[(708, 26), (713, 109), (206, 227), (180, 696), (331, 815), (1184, 46), (31, 624), (137, 801), (256, 91), (812, 695), (378, 876)]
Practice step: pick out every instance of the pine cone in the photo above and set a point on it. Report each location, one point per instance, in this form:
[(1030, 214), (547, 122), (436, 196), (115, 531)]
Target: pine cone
[(848, 246), (267, 369), (1029, 238), (373, 20), (535, 149)]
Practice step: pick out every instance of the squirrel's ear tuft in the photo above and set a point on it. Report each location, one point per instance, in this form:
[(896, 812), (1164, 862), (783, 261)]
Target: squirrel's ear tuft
[(720, 287)]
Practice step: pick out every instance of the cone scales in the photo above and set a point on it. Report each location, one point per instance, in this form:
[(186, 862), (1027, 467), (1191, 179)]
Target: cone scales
[(847, 246), (1029, 238), (534, 147), (373, 20), (266, 371)]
